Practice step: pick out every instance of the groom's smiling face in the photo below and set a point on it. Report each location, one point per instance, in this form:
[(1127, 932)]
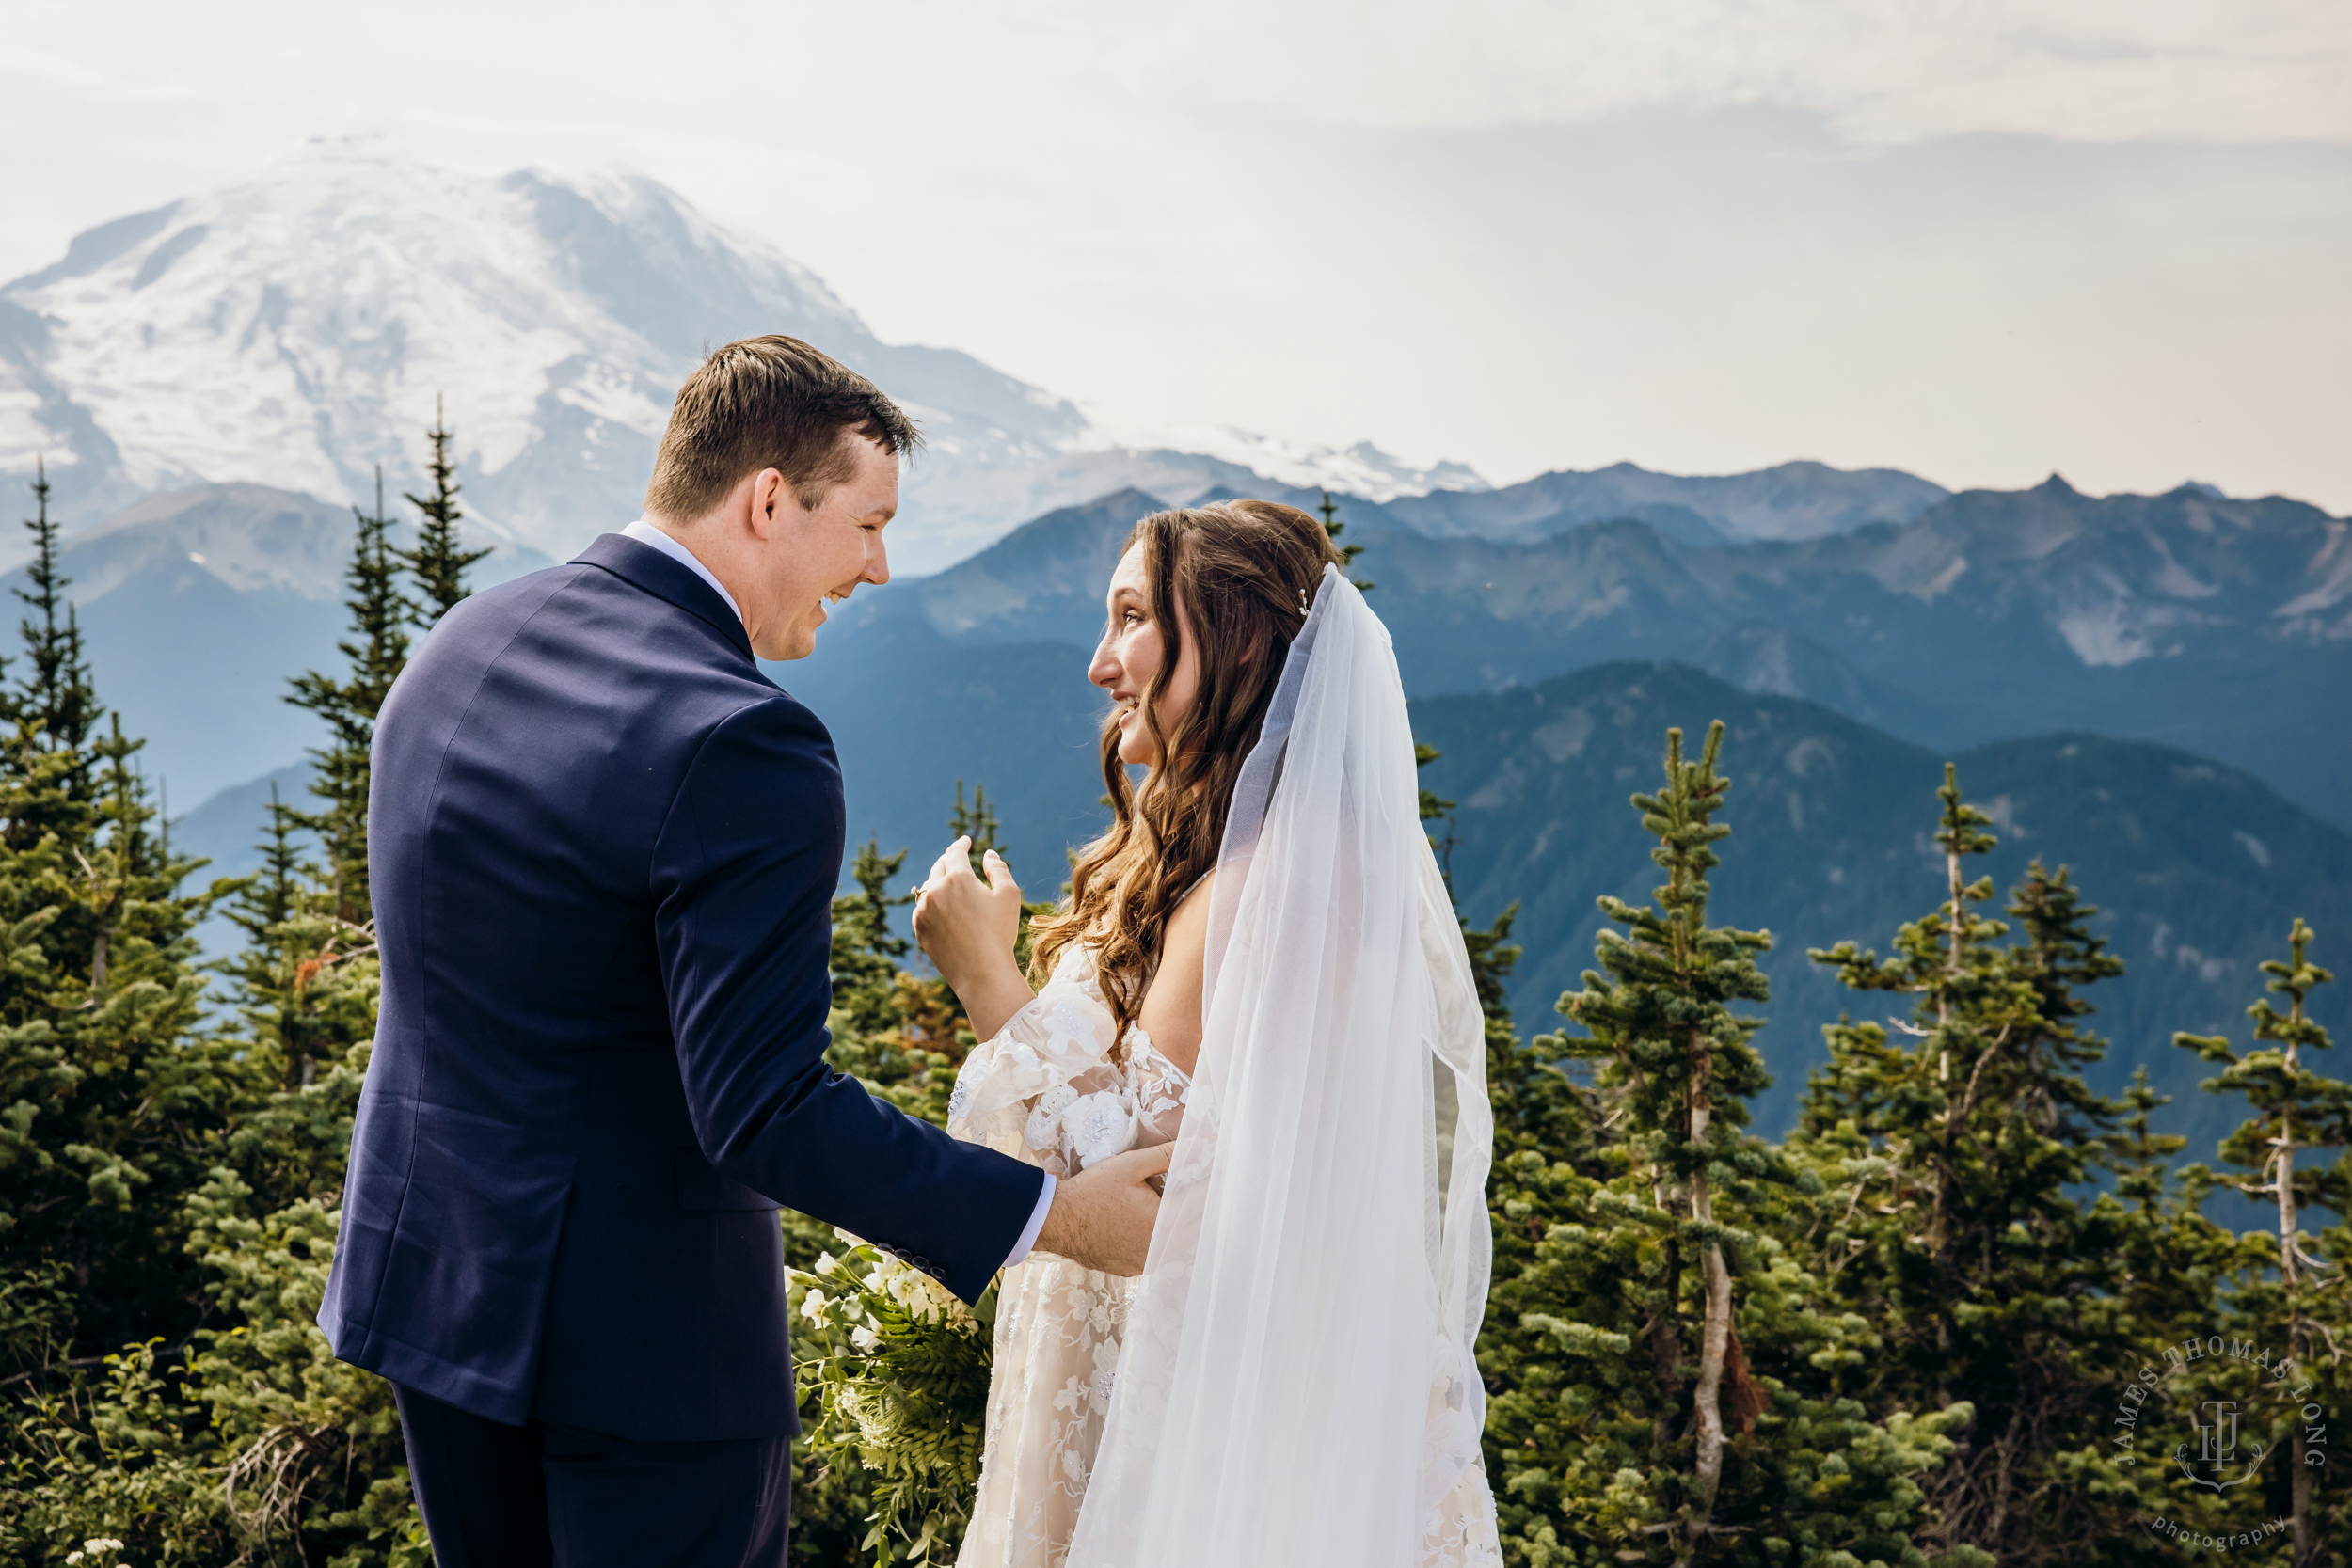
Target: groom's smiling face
[(784, 563), (818, 555)]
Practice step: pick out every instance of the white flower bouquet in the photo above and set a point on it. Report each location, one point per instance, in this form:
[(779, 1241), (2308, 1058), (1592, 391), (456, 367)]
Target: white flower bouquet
[(901, 1381)]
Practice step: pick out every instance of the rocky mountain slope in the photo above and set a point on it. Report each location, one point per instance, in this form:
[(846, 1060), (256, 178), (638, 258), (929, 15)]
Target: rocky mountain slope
[(1792, 500)]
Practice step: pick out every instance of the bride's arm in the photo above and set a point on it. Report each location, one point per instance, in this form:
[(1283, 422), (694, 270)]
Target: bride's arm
[(967, 930)]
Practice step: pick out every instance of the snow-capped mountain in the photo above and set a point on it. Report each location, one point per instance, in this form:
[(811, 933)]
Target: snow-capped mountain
[(295, 328)]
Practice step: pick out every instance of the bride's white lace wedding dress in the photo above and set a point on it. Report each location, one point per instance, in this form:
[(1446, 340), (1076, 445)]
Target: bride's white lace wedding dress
[(1045, 1089), (1290, 1381)]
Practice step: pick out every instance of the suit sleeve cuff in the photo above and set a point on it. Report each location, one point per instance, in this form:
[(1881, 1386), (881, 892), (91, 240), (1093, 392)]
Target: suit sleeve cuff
[(1037, 1223)]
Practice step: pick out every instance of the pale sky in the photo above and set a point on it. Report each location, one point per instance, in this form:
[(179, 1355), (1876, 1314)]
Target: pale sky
[(1981, 241)]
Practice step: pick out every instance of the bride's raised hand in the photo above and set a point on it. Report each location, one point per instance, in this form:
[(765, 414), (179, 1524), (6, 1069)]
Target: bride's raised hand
[(967, 930)]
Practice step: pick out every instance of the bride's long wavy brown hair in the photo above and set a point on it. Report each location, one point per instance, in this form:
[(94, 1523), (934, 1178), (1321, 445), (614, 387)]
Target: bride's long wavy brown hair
[(1243, 570)]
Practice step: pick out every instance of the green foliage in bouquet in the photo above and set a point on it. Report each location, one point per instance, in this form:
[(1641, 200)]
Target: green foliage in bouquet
[(902, 1035), (901, 1383)]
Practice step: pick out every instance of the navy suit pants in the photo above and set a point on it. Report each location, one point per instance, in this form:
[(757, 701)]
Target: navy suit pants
[(549, 1495)]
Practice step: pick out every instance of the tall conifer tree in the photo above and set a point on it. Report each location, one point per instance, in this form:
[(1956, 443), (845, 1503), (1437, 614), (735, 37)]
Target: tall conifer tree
[(2303, 1298), (59, 699), (1955, 1166), (108, 1095), (377, 650), (440, 560), (1332, 526), (1639, 1270), (1662, 1023)]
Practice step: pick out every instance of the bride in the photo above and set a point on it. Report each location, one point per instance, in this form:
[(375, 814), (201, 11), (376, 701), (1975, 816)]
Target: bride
[(1258, 960)]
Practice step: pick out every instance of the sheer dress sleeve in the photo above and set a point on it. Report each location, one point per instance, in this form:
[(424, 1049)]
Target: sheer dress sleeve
[(1045, 1088)]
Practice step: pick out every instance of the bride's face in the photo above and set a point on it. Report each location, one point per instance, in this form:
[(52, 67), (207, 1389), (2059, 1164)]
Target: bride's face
[(1131, 651)]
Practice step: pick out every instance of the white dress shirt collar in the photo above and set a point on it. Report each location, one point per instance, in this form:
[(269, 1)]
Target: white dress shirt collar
[(645, 533)]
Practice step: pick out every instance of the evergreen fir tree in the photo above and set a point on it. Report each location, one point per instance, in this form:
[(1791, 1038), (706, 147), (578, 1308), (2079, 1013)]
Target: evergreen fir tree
[(901, 1035), (1682, 1063), (304, 1004), (1957, 1229), (1435, 810), (2301, 1298), (979, 820), (1641, 1267), (440, 560), (2173, 1256), (168, 1184), (49, 714), (270, 897), (59, 702), (109, 1088), (1546, 1164), (377, 650), (1332, 526), (865, 952)]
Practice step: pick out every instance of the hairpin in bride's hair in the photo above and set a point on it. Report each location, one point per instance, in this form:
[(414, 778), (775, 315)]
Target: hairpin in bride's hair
[(1302, 602)]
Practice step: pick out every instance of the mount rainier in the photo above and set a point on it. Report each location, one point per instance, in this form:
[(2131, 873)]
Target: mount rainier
[(293, 328)]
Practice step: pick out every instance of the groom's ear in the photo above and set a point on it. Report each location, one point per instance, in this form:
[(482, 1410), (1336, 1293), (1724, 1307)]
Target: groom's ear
[(771, 502)]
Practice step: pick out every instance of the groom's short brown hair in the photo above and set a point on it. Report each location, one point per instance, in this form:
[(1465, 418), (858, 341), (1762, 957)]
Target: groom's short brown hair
[(768, 402)]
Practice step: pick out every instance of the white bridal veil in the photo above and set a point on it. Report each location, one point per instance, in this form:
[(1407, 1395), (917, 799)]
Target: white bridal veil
[(1296, 1385)]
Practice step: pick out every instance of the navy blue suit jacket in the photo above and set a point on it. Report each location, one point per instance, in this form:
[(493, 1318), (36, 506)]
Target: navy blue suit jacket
[(603, 849)]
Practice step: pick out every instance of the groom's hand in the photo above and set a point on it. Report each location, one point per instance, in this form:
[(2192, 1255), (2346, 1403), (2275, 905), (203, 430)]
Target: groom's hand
[(968, 929), (1102, 1216)]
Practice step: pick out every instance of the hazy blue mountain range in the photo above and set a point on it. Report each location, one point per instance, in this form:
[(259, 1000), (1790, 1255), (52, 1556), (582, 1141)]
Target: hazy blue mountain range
[(2198, 866), (203, 597), (2197, 869), (1818, 648)]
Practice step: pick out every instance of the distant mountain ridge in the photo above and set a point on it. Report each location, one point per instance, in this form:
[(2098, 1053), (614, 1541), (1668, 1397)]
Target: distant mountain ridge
[(1962, 630), (198, 605), (1791, 500), (2217, 624), (2223, 626)]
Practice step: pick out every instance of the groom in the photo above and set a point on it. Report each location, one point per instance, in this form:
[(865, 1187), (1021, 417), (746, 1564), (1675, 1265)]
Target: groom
[(603, 849)]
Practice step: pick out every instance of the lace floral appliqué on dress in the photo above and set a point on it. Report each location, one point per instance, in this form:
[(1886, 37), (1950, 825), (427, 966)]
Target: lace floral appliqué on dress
[(1045, 1089)]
